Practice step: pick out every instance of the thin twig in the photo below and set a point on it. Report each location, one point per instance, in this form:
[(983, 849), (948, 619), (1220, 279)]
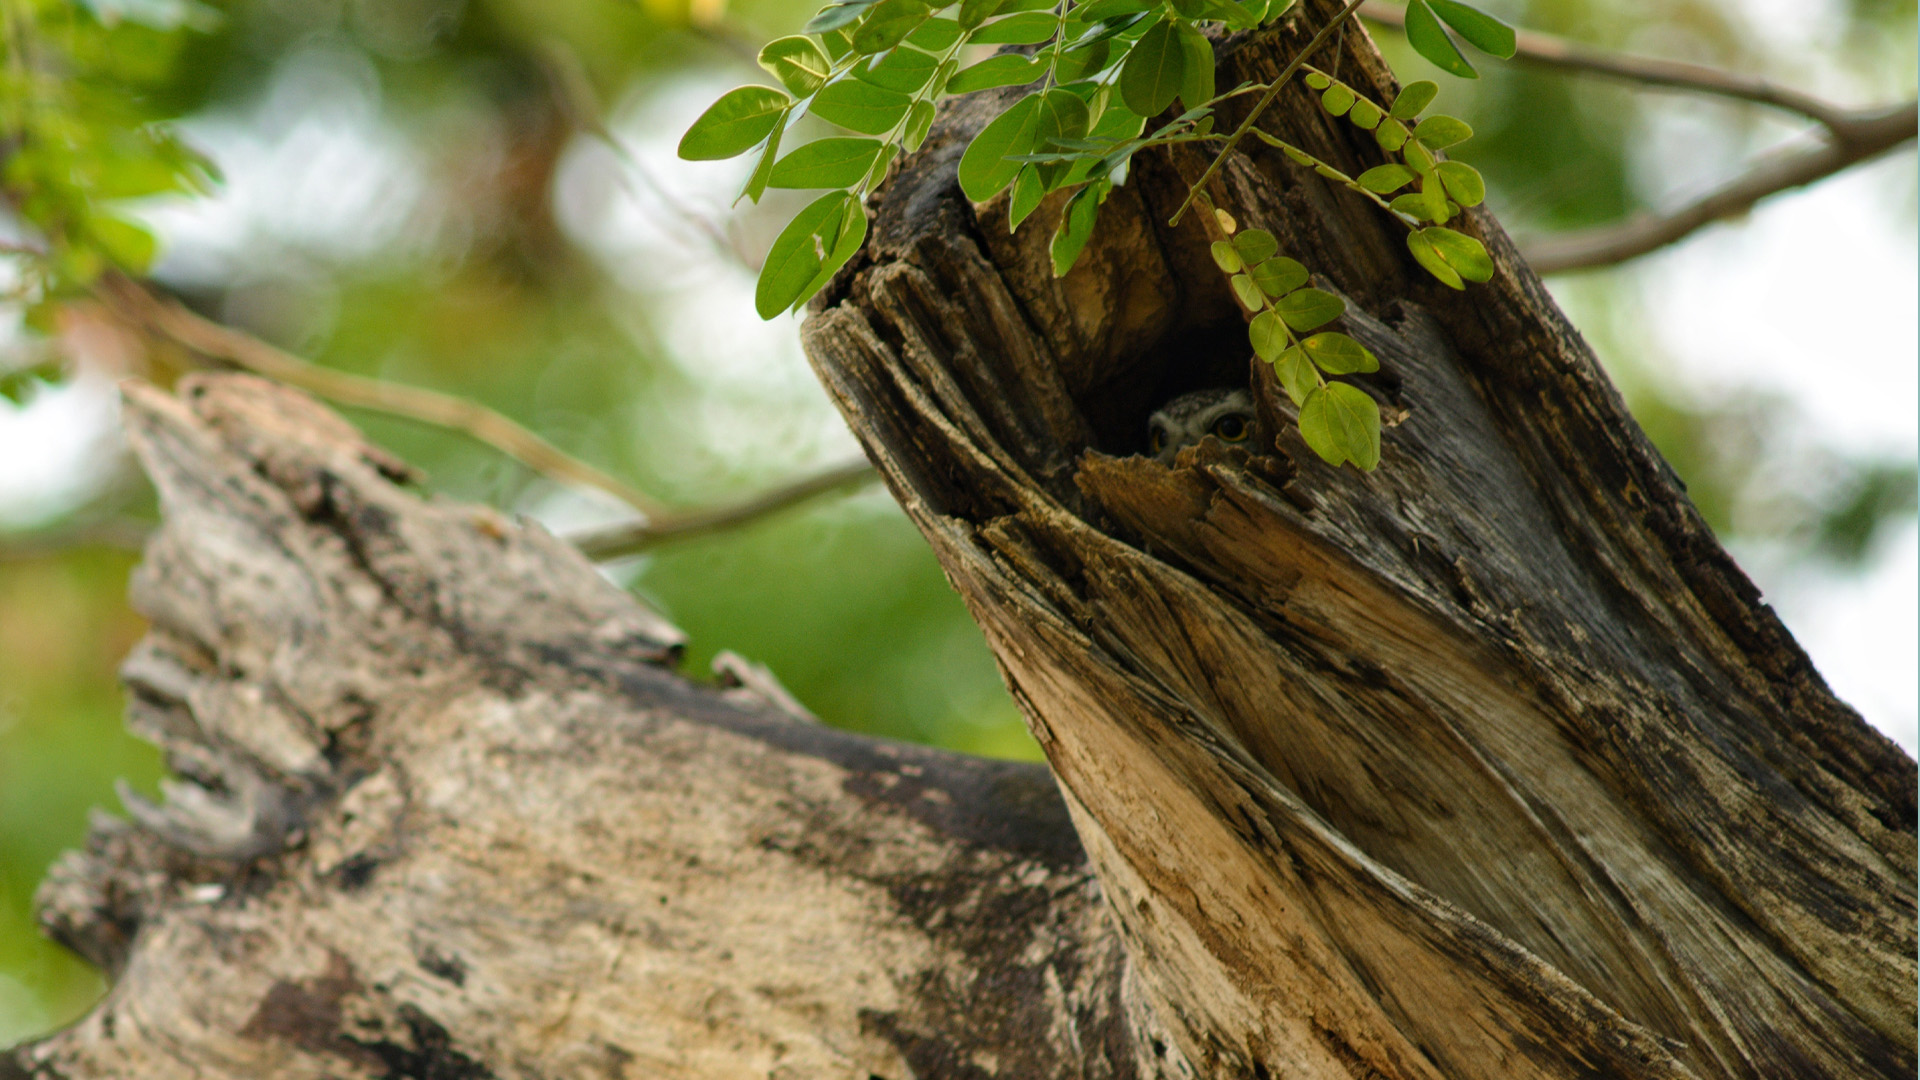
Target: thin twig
[(632, 538), (1557, 52), (1259, 107), (1611, 244), (112, 533), (212, 339)]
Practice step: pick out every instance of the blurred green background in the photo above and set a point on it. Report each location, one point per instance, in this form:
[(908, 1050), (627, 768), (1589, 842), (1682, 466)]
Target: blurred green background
[(480, 196)]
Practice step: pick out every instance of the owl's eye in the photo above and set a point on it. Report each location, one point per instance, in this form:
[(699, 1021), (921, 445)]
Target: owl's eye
[(1157, 440), (1232, 428)]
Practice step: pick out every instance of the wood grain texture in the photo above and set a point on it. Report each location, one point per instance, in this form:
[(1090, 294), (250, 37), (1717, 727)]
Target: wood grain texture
[(445, 812), (1490, 762)]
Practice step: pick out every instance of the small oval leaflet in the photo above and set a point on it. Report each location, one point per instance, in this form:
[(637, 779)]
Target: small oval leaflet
[(734, 124), (1341, 423), (1428, 39), (1337, 99), (1028, 28), (797, 62), (1296, 374), (1425, 254), (1011, 69), (861, 106), (903, 71), (826, 163), (984, 169), (1227, 259), (1268, 335), (1255, 246), (1385, 179), (1463, 182), (1442, 131), (1309, 309), (1248, 292), (1338, 354), (1150, 78), (1365, 114), (1413, 97), (1280, 276)]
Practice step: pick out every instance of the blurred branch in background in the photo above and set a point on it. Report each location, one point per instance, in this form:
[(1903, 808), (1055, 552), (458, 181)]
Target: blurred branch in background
[(172, 319), (632, 538), (655, 525), (115, 533), (1853, 136)]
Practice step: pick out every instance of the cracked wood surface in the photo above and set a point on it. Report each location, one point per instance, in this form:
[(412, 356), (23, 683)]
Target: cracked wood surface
[(1489, 763), (444, 812)]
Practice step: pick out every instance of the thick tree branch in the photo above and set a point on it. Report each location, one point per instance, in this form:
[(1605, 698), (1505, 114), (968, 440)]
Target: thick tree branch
[(631, 538), (1782, 171)]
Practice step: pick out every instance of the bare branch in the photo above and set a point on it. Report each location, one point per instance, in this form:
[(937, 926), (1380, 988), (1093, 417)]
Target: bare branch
[(634, 537), (212, 339), (118, 533), (1547, 50), (1611, 244)]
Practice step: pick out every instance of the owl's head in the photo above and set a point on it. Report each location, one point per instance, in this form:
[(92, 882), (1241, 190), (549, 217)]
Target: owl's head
[(1225, 413)]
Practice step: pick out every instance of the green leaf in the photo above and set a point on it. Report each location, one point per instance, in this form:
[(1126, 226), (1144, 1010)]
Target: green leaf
[(1196, 65), (763, 171), (974, 12), (1308, 309), (1434, 194), (1011, 69), (1076, 225), (732, 125), (838, 43), (1296, 374), (1255, 246), (835, 16), (798, 63), (1384, 179), (1061, 118), (1237, 16), (1413, 97), (1318, 81), (1428, 256), (1338, 354), (1413, 203), (1151, 77), (935, 35), (984, 169), (799, 253), (1100, 11), (1027, 193), (1485, 32), (1337, 100), (878, 171), (1248, 292), (902, 70), (1341, 423), (1278, 277), (888, 24), (919, 122), (1428, 39), (129, 246), (826, 163), (1440, 131), (1463, 182), (1268, 334), (1083, 62), (1189, 11), (1365, 114), (1467, 256), (1227, 259), (1030, 28), (1391, 135), (852, 233), (861, 106), (1417, 156)]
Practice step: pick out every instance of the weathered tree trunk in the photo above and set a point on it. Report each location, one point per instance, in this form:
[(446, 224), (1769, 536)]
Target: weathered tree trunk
[(1486, 764)]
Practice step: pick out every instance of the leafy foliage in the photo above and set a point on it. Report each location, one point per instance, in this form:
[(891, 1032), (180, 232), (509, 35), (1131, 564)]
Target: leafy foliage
[(1099, 70), (84, 131)]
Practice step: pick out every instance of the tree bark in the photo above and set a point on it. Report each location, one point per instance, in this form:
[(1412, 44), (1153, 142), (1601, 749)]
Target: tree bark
[(1488, 763)]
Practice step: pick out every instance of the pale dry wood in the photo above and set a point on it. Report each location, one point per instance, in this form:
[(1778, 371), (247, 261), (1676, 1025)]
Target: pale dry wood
[(1488, 763), (444, 812)]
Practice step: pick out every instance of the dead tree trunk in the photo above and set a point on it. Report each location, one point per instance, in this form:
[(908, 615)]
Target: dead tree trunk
[(1487, 764)]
